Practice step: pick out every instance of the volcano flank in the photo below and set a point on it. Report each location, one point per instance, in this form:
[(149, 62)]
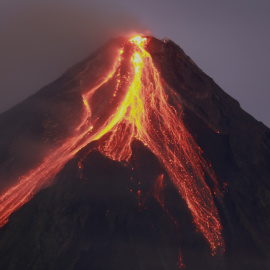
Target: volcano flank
[(134, 159)]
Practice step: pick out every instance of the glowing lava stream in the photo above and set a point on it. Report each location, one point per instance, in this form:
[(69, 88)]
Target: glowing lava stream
[(146, 115), (30, 183)]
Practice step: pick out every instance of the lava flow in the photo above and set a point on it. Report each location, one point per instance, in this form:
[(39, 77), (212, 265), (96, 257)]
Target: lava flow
[(144, 113)]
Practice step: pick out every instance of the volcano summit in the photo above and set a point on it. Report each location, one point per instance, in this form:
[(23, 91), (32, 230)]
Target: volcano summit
[(135, 159)]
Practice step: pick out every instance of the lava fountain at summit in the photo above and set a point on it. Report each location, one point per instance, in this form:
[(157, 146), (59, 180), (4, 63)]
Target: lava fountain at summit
[(142, 112)]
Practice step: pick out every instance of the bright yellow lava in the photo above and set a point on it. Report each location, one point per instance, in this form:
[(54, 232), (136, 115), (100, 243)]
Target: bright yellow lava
[(144, 113)]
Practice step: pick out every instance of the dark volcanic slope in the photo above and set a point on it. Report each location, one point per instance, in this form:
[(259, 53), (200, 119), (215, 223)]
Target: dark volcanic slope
[(96, 219)]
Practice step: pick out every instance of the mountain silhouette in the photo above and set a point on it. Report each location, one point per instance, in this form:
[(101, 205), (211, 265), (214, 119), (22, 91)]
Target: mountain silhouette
[(134, 159)]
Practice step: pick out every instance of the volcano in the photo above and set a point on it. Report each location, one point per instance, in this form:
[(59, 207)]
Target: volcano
[(134, 159)]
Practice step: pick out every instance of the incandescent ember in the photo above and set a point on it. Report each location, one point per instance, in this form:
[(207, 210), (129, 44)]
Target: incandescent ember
[(139, 109)]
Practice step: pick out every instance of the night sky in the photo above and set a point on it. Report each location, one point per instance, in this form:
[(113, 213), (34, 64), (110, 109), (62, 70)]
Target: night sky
[(229, 40)]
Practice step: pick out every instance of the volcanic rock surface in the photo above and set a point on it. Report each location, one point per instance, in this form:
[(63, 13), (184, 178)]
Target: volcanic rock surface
[(107, 214)]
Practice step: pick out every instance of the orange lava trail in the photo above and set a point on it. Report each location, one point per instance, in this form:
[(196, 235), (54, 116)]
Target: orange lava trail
[(145, 114), (30, 183)]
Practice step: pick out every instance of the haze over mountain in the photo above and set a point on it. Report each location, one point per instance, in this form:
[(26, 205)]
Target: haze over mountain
[(228, 39), (134, 158)]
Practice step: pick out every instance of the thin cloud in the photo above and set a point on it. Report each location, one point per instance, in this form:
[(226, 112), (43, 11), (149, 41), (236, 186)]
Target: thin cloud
[(41, 39)]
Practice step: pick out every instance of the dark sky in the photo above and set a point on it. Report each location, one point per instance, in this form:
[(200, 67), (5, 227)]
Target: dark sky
[(228, 39)]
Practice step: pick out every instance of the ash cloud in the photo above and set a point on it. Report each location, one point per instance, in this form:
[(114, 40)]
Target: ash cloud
[(41, 39)]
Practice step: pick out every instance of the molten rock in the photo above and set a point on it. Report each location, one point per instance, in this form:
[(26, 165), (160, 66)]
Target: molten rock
[(150, 165)]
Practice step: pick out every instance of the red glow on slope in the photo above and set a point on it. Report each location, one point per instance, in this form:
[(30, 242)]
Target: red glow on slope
[(35, 179), (145, 114)]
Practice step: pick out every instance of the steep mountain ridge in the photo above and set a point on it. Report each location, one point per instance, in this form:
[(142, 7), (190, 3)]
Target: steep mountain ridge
[(147, 227)]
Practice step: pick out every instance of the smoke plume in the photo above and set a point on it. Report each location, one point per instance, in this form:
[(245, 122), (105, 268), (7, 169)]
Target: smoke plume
[(41, 39)]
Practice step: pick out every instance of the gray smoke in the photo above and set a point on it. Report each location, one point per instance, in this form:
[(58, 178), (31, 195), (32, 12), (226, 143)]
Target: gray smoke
[(41, 39)]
